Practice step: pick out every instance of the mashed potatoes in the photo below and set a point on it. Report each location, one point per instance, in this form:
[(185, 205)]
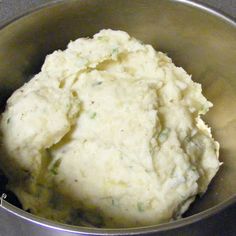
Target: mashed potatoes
[(108, 134)]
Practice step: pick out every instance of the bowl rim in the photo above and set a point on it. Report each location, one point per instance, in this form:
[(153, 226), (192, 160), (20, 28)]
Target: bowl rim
[(50, 224), (194, 3), (39, 221)]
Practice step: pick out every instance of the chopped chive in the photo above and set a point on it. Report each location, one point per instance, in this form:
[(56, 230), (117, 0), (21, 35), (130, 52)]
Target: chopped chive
[(193, 168), (97, 83), (54, 169), (114, 51), (187, 139), (93, 115), (113, 202), (164, 135), (140, 207), (103, 38), (204, 109)]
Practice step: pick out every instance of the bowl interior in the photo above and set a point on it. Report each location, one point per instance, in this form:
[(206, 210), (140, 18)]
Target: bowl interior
[(200, 41)]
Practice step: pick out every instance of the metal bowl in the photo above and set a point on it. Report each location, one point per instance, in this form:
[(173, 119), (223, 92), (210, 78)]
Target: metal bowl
[(199, 39)]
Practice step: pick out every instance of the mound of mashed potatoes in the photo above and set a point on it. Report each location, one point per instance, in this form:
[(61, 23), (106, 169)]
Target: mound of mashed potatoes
[(108, 134)]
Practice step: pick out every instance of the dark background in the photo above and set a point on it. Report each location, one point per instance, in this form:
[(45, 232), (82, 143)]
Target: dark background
[(222, 224)]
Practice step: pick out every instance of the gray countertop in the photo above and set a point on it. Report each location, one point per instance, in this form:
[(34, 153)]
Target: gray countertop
[(222, 224)]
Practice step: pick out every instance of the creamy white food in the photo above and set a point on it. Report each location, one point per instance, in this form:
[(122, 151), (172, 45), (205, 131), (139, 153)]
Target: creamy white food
[(108, 134)]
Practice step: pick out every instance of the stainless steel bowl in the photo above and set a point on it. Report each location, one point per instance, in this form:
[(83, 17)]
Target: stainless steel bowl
[(199, 39)]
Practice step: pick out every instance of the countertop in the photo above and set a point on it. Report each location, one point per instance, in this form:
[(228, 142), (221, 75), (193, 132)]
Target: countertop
[(222, 224)]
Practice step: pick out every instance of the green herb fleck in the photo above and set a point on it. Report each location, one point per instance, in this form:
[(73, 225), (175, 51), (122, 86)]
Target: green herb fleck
[(97, 83), (187, 139), (8, 120), (103, 38), (140, 207), (204, 109), (54, 169), (113, 202), (93, 115), (114, 51), (193, 168), (164, 135)]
